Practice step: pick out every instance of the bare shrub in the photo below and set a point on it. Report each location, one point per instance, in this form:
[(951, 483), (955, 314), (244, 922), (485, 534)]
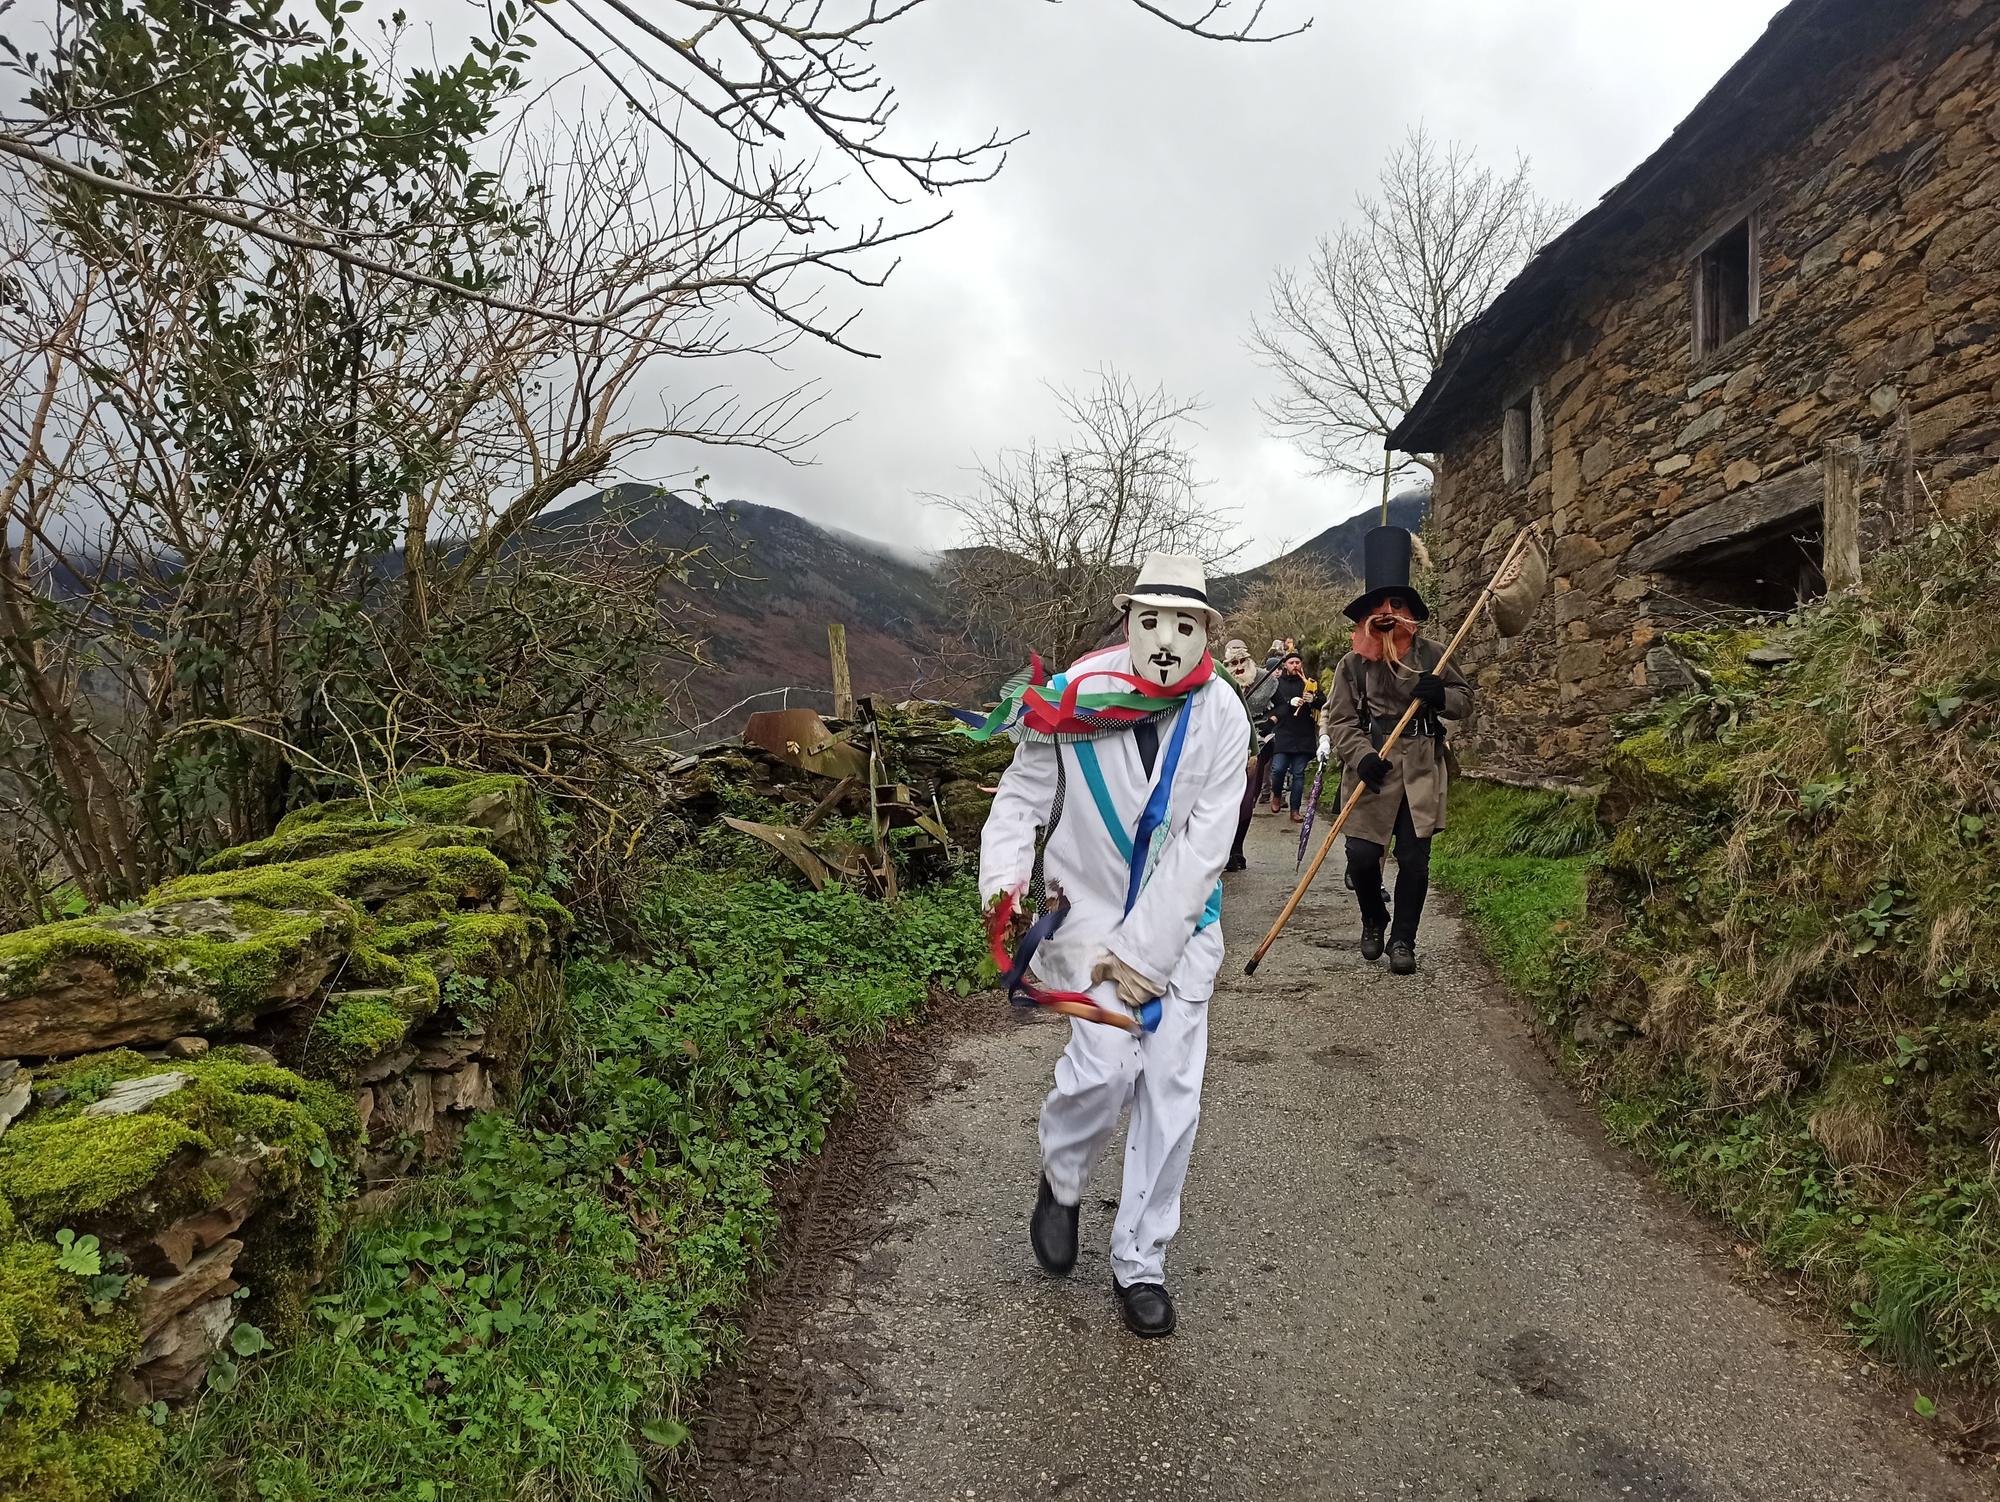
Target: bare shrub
[(1052, 532)]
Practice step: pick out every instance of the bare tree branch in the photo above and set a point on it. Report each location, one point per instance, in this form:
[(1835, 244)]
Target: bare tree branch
[(1354, 337), (1050, 534)]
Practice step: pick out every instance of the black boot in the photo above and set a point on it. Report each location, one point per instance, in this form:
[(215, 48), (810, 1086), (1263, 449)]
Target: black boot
[(1148, 1309), (1052, 1231), (1402, 957), (1371, 941)]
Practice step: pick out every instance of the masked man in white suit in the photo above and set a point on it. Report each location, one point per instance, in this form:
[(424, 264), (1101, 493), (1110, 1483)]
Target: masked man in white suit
[(1137, 804)]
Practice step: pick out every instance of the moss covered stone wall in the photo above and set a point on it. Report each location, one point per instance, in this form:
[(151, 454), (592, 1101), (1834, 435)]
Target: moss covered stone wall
[(195, 1092)]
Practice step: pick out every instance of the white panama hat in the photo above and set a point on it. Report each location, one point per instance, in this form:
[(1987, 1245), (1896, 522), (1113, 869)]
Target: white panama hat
[(1171, 581)]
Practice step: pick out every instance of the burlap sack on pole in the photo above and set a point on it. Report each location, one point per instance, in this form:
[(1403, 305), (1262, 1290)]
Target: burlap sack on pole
[(1520, 588)]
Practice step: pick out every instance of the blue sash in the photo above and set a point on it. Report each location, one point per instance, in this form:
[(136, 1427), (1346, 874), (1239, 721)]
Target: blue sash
[(1137, 849)]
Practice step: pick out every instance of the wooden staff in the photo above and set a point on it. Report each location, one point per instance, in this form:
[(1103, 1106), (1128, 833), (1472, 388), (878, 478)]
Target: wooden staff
[(1354, 798)]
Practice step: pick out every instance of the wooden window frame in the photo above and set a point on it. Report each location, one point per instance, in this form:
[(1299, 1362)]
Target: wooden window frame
[(1517, 456), (1748, 218)]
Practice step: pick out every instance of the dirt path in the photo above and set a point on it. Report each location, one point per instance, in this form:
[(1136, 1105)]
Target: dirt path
[(1410, 1268)]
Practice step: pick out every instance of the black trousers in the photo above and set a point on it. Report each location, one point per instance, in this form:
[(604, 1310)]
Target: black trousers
[(1413, 878)]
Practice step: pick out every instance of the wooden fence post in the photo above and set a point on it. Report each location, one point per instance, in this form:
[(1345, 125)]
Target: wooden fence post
[(843, 680), (1840, 531)]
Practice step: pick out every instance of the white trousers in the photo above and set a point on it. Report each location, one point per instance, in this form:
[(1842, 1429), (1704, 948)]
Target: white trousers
[(1159, 1074)]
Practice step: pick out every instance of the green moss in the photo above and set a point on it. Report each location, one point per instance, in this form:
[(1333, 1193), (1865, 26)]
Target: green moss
[(357, 1028), (462, 872), (85, 1165), (1655, 765), (66, 1164), (503, 807), (239, 972), (337, 836), (1720, 654), (243, 974), (490, 943), (109, 1457), (27, 954), (555, 918)]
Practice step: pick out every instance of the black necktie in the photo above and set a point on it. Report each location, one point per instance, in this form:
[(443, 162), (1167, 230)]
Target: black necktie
[(1147, 734)]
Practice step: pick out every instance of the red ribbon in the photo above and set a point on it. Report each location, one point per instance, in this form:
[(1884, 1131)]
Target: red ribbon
[(1074, 1003), (1061, 718)]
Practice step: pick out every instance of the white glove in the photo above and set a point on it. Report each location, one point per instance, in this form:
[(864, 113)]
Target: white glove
[(1134, 989), (1325, 749)]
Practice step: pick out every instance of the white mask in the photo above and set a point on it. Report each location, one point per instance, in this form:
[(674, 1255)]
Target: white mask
[(1166, 644)]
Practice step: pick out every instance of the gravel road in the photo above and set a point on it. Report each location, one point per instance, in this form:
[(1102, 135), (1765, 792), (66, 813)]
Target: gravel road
[(1410, 1267)]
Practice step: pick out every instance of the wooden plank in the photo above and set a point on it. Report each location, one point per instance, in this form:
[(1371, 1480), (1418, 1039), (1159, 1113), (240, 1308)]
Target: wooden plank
[(1842, 517), (1795, 495), (843, 681)]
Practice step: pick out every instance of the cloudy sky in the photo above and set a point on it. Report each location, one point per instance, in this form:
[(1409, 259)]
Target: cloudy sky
[(1163, 182)]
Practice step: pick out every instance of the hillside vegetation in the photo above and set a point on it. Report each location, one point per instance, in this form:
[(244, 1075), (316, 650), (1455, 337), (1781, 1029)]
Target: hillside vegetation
[(1783, 984)]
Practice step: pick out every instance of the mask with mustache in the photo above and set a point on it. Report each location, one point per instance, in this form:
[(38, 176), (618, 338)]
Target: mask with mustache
[(1166, 645), (1388, 633)]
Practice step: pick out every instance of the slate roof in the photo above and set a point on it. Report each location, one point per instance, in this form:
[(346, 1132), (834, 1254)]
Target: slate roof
[(1773, 92)]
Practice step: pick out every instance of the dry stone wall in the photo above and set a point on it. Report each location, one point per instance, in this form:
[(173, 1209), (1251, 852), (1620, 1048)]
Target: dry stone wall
[(194, 1093), (1878, 242)]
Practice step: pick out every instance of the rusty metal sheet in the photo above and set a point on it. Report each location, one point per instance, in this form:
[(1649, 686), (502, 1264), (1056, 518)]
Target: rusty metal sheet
[(789, 843), (800, 738)]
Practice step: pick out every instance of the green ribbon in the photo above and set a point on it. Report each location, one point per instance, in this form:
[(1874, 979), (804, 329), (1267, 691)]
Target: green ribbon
[(1008, 707)]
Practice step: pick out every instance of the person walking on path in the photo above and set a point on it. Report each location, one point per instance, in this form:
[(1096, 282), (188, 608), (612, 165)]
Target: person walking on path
[(1134, 803), (1258, 699), (1389, 666), (1294, 717)]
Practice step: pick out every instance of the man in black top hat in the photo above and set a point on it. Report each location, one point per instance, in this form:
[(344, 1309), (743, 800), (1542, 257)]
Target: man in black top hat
[(1389, 666)]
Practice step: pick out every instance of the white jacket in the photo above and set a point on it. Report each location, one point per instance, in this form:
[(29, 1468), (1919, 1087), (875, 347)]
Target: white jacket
[(1170, 936)]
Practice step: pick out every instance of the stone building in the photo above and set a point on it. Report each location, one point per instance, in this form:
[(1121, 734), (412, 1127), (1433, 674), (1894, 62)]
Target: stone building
[(1793, 304)]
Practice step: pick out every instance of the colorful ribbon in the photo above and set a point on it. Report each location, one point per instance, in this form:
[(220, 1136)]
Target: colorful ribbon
[(1076, 713), (1023, 992)]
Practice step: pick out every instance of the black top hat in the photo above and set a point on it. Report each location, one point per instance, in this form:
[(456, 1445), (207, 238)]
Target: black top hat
[(1385, 570)]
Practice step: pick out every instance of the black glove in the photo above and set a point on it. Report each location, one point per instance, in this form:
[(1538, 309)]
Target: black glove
[(1429, 692), (1372, 770)]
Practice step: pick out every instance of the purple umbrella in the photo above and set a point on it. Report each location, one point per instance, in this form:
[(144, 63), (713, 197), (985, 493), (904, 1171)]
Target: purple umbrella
[(1312, 808)]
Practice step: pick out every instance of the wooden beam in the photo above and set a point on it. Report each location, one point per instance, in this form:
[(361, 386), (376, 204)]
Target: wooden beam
[(843, 680), (1768, 506), (1841, 466)]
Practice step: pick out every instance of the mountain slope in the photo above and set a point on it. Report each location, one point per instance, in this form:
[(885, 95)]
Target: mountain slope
[(765, 589)]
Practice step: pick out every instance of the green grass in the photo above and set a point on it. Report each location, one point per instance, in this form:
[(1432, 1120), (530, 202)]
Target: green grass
[(538, 1324), (1519, 861)]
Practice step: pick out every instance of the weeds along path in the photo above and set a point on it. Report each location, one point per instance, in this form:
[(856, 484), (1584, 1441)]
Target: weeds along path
[(1410, 1268)]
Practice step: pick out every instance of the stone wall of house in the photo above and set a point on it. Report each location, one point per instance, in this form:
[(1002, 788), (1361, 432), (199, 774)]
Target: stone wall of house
[(1879, 274), (195, 1092)]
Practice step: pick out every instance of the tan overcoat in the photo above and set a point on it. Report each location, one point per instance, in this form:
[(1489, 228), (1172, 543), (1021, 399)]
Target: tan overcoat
[(1372, 696)]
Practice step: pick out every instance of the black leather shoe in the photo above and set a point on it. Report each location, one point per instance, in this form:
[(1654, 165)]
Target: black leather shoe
[(1148, 1308), (1052, 1231), (1402, 957), (1371, 942)]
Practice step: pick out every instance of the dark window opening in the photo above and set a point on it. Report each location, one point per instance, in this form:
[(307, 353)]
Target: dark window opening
[(1725, 290), (1772, 571), (1515, 444)]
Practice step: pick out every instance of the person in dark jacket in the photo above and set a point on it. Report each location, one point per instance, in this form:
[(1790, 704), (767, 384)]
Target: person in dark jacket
[(1295, 731), (1258, 696), (1391, 667)]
